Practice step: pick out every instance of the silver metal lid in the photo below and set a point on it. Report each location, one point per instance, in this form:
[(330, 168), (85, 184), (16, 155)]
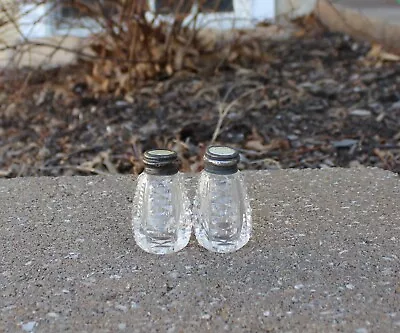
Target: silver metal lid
[(221, 160), (161, 162)]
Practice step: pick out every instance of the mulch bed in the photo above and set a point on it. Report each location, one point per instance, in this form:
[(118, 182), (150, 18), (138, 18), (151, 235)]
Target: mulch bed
[(319, 102)]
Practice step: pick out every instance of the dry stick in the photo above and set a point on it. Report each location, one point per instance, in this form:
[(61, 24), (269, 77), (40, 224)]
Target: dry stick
[(24, 85), (56, 47), (86, 169), (136, 22), (98, 13), (214, 89), (223, 112), (233, 43), (241, 84), (11, 19), (51, 55), (134, 32), (194, 32), (175, 29)]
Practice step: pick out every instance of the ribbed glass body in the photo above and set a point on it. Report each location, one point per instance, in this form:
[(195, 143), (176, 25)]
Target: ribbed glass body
[(223, 212), (161, 216)]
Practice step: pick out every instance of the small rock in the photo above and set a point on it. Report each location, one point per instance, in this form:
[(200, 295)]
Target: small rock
[(323, 166), (29, 326), (380, 117), (79, 88), (329, 163), (360, 113), (121, 103), (315, 107), (72, 255), (52, 315), (311, 87), (10, 110), (174, 274), (206, 316), (44, 153), (149, 128), (395, 106), (121, 326), (368, 78), (350, 286), (377, 107), (361, 330), (129, 99), (266, 313), (41, 97), (122, 308), (355, 164), (134, 305), (346, 143), (359, 89)]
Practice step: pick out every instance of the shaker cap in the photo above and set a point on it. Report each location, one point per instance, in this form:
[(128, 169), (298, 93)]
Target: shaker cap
[(221, 160), (161, 162)]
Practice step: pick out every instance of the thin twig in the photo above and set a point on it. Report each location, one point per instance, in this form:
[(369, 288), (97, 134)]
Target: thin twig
[(223, 112)]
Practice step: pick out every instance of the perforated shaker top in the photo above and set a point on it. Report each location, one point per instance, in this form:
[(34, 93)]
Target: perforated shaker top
[(161, 162), (221, 160)]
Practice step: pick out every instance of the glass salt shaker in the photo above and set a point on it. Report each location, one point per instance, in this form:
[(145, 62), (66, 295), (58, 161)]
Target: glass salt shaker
[(161, 213), (223, 209)]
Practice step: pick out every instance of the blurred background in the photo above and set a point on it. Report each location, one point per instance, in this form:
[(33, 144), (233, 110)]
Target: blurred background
[(86, 86)]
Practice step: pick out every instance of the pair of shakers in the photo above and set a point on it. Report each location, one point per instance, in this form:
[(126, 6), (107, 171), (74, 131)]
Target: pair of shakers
[(164, 214)]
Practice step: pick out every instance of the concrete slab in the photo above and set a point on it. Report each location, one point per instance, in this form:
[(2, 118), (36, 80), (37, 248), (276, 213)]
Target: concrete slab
[(325, 257)]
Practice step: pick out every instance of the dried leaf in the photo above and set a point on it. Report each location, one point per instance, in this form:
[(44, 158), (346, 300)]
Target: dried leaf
[(377, 52), (256, 145), (389, 56)]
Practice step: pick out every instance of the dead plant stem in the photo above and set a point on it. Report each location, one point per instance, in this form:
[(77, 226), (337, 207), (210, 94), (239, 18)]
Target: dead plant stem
[(224, 111)]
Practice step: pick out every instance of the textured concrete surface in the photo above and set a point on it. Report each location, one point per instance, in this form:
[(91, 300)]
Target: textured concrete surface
[(324, 258)]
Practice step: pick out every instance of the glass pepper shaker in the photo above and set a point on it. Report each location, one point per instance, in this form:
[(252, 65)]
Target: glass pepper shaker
[(223, 209), (161, 217)]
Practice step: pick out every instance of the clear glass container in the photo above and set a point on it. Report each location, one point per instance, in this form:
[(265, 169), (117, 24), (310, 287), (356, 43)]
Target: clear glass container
[(222, 206), (161, 209)]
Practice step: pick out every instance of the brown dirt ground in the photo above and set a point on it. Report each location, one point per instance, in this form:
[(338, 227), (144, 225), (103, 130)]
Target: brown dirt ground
[(319, 102)]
